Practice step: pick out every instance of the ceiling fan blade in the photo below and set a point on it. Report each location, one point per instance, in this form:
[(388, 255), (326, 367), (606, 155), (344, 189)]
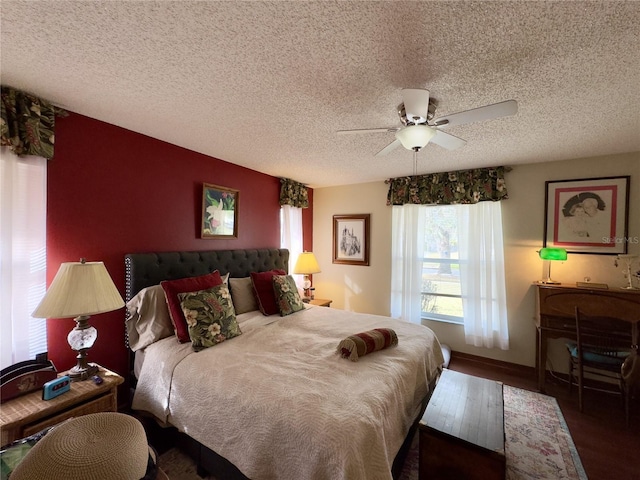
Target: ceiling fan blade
[(488, 112), (368, 130), (392, 146), (416, 104), (448, 141)]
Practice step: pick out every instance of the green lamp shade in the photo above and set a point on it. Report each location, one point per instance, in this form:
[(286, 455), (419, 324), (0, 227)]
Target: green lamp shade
[(553, 254)]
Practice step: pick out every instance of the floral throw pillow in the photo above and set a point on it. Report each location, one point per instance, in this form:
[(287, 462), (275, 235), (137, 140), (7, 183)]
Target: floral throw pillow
[(172, 288), (287, 296), (210, 316)]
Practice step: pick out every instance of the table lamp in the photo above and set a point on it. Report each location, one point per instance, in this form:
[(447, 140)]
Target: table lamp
[(551, 254), (78, 290), (306, 265)]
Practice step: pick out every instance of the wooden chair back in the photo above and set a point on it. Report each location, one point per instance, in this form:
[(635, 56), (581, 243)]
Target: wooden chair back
[(603, 335)]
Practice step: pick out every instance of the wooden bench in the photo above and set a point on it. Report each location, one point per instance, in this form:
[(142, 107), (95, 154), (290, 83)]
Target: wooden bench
[(462, 429)]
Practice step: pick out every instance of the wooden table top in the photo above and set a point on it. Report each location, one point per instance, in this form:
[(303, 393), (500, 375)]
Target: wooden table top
[(467, 408)]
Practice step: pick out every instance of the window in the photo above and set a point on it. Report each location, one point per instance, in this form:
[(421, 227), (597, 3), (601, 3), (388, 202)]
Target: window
[(441, 294), (448, 265), (291, 235), (23, 196)]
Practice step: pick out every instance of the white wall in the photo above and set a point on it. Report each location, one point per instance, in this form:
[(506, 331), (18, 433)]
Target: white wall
[(367, 289)]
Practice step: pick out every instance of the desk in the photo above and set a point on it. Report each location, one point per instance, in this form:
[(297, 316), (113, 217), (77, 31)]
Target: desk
[(555, 313)]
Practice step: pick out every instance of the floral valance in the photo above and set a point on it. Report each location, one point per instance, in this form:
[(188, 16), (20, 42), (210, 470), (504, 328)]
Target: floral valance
[(293, 193), (27, 123), (464, 186)]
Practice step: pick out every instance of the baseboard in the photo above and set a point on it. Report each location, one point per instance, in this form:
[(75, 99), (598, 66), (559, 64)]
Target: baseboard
[(512, 368)]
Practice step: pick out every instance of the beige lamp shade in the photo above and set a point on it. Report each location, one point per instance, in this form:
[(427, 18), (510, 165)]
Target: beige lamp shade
[(79, 288), (306, 264)]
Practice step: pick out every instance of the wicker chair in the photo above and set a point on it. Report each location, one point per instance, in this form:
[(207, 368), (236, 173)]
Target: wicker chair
[(602, 345)]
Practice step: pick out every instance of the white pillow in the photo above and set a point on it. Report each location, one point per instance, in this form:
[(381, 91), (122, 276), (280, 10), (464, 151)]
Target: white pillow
[(148, 318)]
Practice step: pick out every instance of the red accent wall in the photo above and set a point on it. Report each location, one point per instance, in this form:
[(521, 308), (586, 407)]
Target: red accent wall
[(112, 191)]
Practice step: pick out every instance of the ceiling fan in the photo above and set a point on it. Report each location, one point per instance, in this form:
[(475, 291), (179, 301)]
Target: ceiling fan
[(416, 113)]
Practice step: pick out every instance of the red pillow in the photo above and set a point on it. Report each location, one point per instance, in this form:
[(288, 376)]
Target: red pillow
[(192, 284), (263, 288)]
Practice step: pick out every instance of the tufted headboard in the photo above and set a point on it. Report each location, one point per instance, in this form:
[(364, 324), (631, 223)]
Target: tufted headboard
[(147, 269)]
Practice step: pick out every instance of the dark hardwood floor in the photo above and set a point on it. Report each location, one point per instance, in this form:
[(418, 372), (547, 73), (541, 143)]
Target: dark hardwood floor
[(607, 448)]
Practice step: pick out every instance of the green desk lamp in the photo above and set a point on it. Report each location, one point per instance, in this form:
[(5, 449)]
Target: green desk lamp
[(550, 254)]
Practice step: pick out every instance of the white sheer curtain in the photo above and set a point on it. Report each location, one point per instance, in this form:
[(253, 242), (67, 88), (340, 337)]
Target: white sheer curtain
[(23, 202), (407, 256), (482, 277), (291, 236)]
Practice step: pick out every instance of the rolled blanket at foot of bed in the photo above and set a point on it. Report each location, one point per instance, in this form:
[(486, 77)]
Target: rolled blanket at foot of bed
[(358, 345)]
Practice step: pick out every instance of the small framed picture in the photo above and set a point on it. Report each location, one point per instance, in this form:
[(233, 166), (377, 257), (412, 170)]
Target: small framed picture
[(351, 239), (219, 212), (587, 215)]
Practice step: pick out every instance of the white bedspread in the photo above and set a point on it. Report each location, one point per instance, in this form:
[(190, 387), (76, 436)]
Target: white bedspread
[(280, 403)]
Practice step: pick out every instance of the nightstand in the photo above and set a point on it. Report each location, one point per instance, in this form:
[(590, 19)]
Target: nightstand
[(28, 414), (321, 302)]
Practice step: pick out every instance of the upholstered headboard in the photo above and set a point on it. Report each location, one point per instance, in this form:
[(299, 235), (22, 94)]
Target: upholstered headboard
[(146, 269)]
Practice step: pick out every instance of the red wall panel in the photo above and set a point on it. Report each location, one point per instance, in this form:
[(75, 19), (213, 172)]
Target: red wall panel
[(112, 191)]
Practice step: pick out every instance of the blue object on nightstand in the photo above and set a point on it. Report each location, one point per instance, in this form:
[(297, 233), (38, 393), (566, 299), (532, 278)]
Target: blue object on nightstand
[(56, 387)]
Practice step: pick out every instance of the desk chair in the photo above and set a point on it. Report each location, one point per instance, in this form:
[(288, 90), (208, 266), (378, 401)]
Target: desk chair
[(602, 346)]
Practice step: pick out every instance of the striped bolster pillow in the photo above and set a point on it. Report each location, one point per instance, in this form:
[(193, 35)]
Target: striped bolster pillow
[(358, 345)]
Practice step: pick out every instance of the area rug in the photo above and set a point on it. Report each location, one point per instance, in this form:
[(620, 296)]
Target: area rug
[(538, 444)]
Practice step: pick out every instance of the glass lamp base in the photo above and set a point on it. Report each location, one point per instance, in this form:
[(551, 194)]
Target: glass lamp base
[(81, 339)]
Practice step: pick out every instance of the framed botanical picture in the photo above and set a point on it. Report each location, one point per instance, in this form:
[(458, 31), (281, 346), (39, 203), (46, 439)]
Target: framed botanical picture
[(351, 239), (588, 215), (219, 212)]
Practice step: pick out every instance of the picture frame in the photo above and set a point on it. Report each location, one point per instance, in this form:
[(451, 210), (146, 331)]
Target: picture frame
[(219, 212), (587, 215), (351, 242)]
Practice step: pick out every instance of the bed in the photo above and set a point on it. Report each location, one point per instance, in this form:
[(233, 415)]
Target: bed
[(277, 401)]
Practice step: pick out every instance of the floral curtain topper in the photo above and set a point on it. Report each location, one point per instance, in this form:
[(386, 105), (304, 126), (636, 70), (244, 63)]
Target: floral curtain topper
[(293, 193), (446, 188), (27, 123)]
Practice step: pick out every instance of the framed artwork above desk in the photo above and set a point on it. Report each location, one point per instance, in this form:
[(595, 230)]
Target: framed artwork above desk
[(555, 314), (587, 215)]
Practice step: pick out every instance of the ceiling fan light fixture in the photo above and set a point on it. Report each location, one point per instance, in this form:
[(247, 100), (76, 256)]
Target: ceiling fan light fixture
[(415, 137)]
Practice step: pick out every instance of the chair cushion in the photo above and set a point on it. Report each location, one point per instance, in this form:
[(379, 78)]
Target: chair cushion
[(593, 357)]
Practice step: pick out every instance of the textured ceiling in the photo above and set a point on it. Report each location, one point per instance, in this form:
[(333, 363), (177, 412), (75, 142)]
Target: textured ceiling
[(266, 85)]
